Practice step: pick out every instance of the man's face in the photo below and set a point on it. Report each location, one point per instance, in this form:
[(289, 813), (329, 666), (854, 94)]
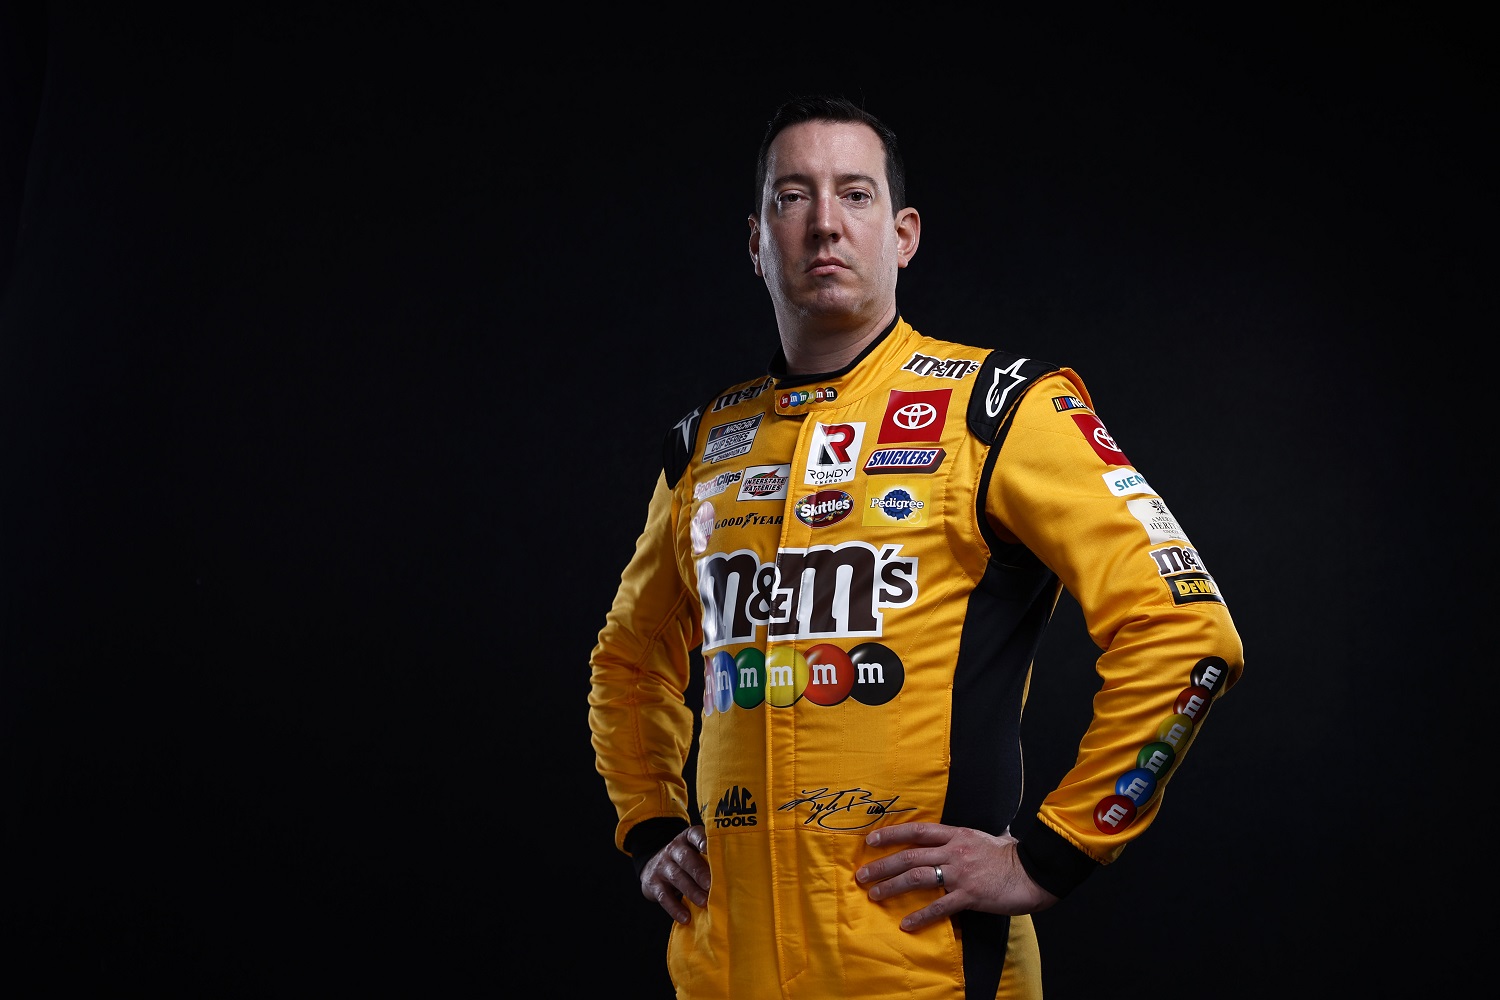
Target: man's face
[(826, 242)]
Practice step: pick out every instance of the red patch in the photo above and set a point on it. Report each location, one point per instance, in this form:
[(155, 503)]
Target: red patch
[(1099, 439), (915, 416)]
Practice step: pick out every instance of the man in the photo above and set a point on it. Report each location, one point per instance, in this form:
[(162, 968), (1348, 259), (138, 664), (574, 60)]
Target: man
[(865, 545)]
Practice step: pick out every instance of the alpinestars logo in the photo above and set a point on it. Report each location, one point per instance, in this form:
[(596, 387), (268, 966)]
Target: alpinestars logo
[(736, 808)]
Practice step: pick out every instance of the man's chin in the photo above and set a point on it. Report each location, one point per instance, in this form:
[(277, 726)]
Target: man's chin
[(829, 303)]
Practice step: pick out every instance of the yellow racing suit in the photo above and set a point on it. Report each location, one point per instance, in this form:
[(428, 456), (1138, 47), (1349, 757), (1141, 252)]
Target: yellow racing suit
[(862, 564)]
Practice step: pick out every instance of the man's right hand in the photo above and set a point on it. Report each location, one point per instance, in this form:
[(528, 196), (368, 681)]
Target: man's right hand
[(679, 871)]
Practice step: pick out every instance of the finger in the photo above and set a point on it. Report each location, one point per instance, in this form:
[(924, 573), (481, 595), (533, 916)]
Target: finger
[(668, 898), (929, 914), (924, 877), (687, 873), (690, 861), (696, 881), (893, 865), (927, 834)]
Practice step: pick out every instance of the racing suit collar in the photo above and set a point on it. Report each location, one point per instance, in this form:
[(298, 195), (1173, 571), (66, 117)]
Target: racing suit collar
[(799, 394)]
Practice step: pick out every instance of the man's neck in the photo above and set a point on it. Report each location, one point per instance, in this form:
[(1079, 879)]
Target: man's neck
[(813, 352)]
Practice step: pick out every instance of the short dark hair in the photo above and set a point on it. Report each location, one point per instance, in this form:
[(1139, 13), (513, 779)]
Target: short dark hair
[(827, 108)]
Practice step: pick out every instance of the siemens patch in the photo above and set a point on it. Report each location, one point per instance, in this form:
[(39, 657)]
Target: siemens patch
[(1123, 482)]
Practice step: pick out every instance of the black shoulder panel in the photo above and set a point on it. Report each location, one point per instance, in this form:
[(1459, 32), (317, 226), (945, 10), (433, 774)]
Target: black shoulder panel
[(999, 384), (677, 446)]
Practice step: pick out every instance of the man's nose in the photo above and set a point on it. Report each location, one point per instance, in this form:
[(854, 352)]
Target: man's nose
[(827, 222)]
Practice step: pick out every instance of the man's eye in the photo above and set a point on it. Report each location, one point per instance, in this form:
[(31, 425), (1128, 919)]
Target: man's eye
[(787, 197), (859, 196)]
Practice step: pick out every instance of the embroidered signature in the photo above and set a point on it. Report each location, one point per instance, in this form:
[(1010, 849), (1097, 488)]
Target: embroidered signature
[(846, 809)]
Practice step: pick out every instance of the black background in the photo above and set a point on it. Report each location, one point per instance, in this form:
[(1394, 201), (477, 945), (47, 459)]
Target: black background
[(336, 350)]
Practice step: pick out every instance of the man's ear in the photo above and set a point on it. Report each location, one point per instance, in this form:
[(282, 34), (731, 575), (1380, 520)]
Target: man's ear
[(755, 243), (908, 235)]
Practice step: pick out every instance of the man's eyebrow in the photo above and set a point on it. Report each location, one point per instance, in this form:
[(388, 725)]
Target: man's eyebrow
[(807, 181)]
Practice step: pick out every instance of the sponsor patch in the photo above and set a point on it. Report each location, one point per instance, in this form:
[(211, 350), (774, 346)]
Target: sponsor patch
[(1124, 482), (801, 397), (1062, 403), (765, 482), (1100, 439), (891, 460), (1136, 785), (743, 395), (1210, 672), (702, 527), (833, 455), (915, 416), (824, 591), (736, 808), (746, 521), (825, 507), (1158, 521), (731, 440), (1182, 563), (678, 451), (1189, 588), (955, 368), (900, 504), (1177, 559), (718, 484), (997, 396)]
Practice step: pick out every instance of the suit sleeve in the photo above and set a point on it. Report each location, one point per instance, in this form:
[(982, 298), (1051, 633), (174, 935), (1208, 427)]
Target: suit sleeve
[(639, 669), (1169, 647)]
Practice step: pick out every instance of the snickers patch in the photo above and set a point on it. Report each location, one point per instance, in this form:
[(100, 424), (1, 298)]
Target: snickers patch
[(883, 461)]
